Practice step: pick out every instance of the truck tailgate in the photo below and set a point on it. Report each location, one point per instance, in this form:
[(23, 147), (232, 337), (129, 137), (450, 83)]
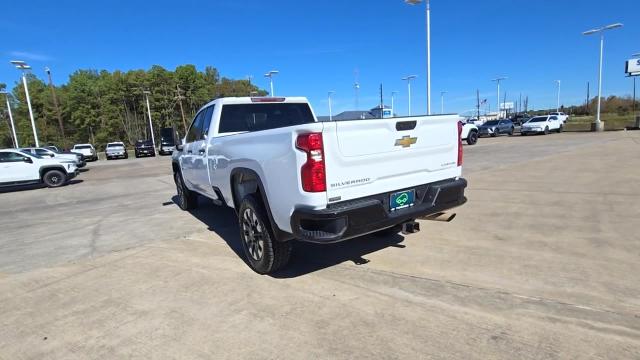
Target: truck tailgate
[(368, 157)]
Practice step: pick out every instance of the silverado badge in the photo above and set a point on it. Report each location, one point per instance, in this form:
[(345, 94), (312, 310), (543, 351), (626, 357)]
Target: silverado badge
[(406, 141)]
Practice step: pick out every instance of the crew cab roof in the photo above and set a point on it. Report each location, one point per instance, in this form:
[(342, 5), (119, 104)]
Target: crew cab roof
[(257, 100)]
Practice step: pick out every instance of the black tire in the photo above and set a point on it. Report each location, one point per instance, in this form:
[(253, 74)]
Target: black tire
[(187, 199), (495, 133), (546, 130), (472, 138), (263, 252), (523, 134), (560, 129), (511, 131), (126, 156), (54, 178)]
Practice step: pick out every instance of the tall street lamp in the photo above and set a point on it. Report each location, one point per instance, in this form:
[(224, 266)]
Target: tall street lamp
[(597, 125), (153, 138), (13, 126), (558, 107), (416, 2), (22, 66), (393, 98), (408, 80), (330, 110), (636, 55), (497, 80), (270, 76), (442, 101)]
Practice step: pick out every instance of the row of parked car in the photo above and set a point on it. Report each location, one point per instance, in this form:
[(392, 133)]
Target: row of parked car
[(554, 122), (52, 167)]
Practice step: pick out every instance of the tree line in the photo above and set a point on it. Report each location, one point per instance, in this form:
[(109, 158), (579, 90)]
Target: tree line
[(101, 106)]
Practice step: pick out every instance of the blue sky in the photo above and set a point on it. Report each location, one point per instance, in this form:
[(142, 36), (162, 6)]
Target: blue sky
[(318, 45)]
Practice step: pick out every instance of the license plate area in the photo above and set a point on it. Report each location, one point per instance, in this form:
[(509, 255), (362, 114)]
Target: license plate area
[(402, 199)]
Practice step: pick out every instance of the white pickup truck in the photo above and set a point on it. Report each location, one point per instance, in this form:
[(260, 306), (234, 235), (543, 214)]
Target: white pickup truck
[(290, 177)]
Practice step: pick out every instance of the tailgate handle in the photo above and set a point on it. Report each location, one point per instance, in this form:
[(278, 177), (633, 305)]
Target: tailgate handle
[(406, 125)]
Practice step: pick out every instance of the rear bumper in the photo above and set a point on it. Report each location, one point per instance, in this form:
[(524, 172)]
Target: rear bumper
[(343, 221)]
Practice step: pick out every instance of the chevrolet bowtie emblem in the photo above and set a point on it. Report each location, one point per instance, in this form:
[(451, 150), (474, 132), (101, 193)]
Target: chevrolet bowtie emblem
[(406, 141)]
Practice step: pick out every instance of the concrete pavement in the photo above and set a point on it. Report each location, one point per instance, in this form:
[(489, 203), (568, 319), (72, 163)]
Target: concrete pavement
[(542, 262)]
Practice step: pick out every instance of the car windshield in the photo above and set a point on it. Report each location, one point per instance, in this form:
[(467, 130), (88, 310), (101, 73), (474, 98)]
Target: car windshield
[(492, 122), (538, 119), (555, 113), (143, 142), (53, 150), (114, 145), (82, 147)]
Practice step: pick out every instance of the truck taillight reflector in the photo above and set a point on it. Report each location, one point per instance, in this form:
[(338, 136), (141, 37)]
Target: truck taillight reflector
[(460, 152), (313, 171)]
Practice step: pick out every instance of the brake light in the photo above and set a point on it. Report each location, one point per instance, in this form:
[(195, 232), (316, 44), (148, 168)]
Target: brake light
[(460, 152), (267, 99), (313, 171)]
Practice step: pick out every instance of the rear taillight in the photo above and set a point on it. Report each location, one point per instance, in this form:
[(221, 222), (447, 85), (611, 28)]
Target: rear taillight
[(313, 171), (460, 143)]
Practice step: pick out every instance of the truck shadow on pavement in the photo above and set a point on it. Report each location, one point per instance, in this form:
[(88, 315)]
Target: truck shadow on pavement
[(306, 257)]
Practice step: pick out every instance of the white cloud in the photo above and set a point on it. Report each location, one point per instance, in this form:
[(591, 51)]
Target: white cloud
[(25, 55)]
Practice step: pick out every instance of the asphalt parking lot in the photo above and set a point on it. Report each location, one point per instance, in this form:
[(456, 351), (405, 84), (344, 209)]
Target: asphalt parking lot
[(542, 262)]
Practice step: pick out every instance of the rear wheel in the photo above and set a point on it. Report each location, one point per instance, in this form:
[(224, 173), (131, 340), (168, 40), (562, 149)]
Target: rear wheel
[(546, 130), (560, 129), (54, 178), (472, 138), (264, 253), (187, 199), (511, 131)]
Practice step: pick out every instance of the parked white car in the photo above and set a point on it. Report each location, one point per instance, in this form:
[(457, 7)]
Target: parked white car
[(48, 153), (116, 150), (469, 133), (21, 168), (561, 116), (290, 177), (87, 150), (542, 125)]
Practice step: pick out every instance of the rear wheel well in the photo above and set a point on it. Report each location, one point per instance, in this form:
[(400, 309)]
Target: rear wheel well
[(176, 167), (244, 183)]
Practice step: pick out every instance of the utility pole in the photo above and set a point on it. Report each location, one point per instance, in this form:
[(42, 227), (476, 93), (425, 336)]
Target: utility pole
[(330, 106), (57, 107), (497, 81), (356, 87), (153, 138), (179, 97), (478, 103), (381, 103), (393, 108), (13, 126)]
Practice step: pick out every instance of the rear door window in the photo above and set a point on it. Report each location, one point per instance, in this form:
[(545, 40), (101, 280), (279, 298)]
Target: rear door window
[(258, 117)]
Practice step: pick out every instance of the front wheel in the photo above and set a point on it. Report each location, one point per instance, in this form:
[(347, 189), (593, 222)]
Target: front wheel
[(560, 129), (187, 199), (264, 253), (546, 130), (54, 178), (511, 131), (472, 138)]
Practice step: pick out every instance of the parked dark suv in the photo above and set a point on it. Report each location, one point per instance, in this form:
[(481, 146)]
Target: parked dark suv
[(496, 127), (145, 148)]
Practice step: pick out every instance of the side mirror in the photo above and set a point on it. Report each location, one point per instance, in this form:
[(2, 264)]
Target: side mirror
[(27, 160), (179, 147)]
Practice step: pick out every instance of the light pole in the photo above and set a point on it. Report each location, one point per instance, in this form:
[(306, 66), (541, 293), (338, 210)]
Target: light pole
[(597, 126), (558, 107), (270, 76), (442, 101), (428, 13), (330, 111), (497, 80), (13, 126), (408, 80), (636, 55), (153, 138), (22, 66), (393, 98)]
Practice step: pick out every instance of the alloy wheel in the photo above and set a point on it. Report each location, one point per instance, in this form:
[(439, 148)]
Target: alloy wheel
[(253, 234)]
